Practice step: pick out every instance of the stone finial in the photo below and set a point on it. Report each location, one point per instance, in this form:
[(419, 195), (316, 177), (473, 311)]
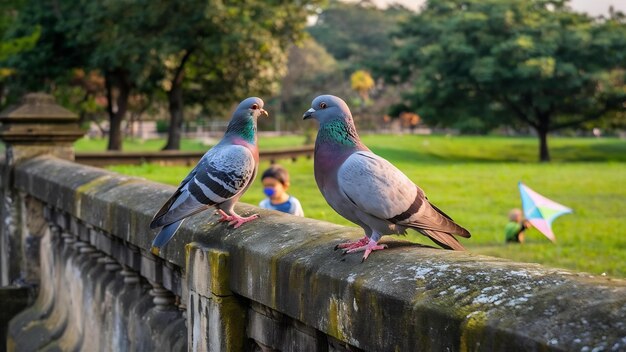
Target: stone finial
[(39, 120)]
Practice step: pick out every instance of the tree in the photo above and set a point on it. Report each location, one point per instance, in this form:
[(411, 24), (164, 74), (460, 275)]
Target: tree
[(536, 62), (10, 43), (213, 52), (217, 52), (86, 35), (357, 34), (30, 44), (121, 38), (311, 71)]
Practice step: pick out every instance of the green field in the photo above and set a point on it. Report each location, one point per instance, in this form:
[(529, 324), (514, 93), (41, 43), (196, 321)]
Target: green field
[(474, 179)]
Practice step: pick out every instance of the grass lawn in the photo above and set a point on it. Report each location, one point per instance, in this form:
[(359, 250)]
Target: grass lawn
[(474, 180)]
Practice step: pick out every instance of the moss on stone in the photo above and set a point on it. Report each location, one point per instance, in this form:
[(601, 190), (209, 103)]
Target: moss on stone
[(472, 329), (220, 276), (333, 320), (233, 323)]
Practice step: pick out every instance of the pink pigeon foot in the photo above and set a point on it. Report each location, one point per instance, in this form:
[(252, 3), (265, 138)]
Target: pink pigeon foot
[(353, 244), (235, 220), (368, 248)]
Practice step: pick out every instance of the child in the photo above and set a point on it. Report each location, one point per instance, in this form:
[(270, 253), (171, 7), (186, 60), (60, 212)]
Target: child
[(514, 230), (275, 185)]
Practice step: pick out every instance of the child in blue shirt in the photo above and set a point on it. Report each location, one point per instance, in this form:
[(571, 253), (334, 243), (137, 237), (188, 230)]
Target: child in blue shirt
[(275, 185)]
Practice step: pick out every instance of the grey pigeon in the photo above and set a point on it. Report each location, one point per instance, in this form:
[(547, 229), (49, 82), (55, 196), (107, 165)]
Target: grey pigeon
[(221, 177), (368, 190)]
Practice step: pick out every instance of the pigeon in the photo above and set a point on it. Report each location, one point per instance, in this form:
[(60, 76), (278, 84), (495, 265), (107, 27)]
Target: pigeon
[(219, 179), (367, 189)]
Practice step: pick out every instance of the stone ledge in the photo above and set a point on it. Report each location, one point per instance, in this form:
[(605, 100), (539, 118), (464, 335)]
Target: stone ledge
[(406, 298)]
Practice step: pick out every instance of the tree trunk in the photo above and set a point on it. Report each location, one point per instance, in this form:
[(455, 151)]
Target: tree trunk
[(117, 78), (175, 98), (2, 94), (543, 128)]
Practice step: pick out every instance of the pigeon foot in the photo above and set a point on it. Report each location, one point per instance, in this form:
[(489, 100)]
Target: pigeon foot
[(368, 248), (353, 244), (235, 220)]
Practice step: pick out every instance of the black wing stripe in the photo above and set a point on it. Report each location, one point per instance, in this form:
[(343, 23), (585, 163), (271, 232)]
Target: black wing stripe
[(413, 208), (215, 187), (199, 195)]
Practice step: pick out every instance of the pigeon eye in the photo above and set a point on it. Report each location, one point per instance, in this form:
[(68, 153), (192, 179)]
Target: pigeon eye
[(255, 106), (323, 105)]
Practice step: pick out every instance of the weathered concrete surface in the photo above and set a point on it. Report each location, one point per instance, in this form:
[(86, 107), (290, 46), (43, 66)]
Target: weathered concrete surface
[(406, 298), (89, 302), (216, 310)]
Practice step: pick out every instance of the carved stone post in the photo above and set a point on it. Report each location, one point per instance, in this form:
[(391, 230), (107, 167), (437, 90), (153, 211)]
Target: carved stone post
[(38, 126), (215, 316)]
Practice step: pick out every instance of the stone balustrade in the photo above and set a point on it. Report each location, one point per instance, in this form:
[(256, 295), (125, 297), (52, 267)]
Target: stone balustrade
[(278, 284), (79, 236)]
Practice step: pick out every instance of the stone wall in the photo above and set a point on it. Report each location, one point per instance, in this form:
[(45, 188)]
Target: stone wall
[(277, 284)]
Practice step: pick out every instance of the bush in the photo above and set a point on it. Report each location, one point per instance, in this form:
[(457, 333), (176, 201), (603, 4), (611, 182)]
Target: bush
[(162, 126), (472, 125)]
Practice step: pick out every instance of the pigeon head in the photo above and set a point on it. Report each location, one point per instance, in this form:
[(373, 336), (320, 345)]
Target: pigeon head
[(243, 122), (250, 107), (327, 108), (336, 127)]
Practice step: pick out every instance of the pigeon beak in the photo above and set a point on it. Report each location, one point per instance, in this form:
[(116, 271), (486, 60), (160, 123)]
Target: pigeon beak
[(308, 113), (264, 113)]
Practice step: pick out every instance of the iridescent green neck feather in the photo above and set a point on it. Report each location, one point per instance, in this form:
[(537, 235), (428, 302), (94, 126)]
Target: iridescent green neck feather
[(244, 128), (338, 132)]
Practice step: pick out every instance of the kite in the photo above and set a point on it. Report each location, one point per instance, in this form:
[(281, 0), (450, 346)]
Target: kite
[(541, 211)]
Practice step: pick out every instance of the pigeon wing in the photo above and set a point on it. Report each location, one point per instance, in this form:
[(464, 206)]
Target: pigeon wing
[(221, 174), (159, 218), (378, 188), (375, 186)]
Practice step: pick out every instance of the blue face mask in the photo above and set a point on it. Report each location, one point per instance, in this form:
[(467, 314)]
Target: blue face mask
[(269, 191)]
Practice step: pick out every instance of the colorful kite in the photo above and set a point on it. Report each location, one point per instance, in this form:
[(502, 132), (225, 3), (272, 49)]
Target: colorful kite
[(541, 211)]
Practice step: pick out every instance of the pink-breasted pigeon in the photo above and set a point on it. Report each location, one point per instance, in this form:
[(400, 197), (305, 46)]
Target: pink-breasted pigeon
[(221, 177), (368, 190)]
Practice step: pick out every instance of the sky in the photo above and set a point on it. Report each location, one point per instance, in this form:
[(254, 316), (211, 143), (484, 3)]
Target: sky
[(593, 7)]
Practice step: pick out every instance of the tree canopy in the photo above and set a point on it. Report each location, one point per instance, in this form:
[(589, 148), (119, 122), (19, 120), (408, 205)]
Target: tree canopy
[(214, 52), (534, 62), (471, 64), (357, 34), (311, 70)]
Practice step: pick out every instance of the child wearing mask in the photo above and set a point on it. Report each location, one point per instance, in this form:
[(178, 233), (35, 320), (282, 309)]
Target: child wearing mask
[(275, 185)]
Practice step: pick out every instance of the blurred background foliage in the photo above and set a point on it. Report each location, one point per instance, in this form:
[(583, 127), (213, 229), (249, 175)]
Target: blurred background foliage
[(510, 66)]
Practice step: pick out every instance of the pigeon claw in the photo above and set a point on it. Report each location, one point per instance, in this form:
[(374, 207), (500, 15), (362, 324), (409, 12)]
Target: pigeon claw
[(238, 220), (235, 220), (354, 244), (371, 249)]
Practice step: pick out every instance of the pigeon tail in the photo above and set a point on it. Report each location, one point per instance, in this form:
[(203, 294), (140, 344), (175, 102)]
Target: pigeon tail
[(459, 230), (445, 240), (164, 236), (433, 219)]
